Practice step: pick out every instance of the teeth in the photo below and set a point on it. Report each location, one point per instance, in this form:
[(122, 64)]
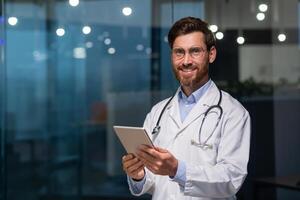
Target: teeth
[(187, 70)]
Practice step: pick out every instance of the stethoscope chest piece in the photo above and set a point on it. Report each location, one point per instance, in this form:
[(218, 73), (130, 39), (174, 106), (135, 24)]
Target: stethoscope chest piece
[(156, 130)]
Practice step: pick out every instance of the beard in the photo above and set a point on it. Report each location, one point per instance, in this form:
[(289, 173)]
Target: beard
[(194, 81)]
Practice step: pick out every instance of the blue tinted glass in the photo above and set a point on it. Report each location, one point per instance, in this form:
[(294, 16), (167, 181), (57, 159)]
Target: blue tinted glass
[(68, 73)]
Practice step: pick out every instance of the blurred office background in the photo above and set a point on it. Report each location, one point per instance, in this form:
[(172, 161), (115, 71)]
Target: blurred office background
[(69, 70)]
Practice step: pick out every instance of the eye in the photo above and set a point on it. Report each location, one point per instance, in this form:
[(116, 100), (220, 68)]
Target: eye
[(196, 51), (178, 52)]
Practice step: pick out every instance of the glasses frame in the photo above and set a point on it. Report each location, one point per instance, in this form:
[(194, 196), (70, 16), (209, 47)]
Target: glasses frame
[(194, 52)]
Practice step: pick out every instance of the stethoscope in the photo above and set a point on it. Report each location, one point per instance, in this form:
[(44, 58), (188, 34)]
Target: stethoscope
[(200, 144)]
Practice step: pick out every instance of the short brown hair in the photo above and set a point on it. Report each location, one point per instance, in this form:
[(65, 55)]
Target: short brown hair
[(189, 25)]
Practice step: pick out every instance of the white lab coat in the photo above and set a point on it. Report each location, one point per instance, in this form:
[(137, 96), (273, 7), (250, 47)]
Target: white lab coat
[(215, 173)]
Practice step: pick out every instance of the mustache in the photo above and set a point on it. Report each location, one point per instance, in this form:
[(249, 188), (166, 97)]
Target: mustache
[(186, 66)]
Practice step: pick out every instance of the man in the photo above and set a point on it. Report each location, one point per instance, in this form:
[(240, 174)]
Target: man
[(201, 134)]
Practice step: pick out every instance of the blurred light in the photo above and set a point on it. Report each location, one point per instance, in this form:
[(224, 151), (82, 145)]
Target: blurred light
[(105, 34), (79, 53), (148, 50), (74, 3), (38, 56), (260, 16), (86, 30), (100, 37), (166, 39), (12, 21), (89, 44), (213, 28), (2, 19), (60, 32), (281, 37), (127, 11), (139, 47), (111, 50), (263, 7), (2, 42), (107, 41), (219, 35), (240, 40)]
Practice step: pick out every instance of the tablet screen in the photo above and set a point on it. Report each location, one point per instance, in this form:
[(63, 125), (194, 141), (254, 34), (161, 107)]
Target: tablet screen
[(132, 137)]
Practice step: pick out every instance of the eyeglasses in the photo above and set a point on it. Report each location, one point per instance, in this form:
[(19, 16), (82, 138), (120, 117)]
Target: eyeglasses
[(194, 52)]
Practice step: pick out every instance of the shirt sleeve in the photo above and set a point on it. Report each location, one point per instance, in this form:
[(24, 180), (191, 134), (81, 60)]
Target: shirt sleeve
[(136, 186), (180, 176)]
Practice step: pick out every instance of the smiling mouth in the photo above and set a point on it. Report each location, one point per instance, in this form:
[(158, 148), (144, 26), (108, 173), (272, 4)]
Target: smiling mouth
[(187, 69)]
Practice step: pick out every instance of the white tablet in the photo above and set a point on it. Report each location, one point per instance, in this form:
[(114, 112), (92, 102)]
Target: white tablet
[(132, 137)]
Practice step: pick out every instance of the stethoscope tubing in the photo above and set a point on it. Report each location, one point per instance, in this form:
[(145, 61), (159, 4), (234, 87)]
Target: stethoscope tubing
[(156, 129)]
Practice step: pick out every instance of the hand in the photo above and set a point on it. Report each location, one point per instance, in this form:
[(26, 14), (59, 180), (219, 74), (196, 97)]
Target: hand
[(158, 160), (133, 167)]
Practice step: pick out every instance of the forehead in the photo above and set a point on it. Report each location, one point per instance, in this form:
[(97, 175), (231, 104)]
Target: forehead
[(191, 39)]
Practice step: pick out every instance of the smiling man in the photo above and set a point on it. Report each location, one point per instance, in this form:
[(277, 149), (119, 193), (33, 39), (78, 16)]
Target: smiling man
[(192, 70), (201, 134)]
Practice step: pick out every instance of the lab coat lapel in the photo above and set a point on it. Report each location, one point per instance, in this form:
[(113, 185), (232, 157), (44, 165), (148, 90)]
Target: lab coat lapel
[(208, 99), (174, 111)]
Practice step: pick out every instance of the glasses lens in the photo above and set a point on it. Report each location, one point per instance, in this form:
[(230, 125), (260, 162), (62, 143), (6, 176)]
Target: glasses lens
[(196, 52), (178, 53)]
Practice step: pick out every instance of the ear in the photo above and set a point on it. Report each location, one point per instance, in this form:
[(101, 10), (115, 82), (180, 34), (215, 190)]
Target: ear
[(212, 54)]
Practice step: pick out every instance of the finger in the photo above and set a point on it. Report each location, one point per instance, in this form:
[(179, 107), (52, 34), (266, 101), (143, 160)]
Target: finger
[(127, 157), (146, 151), (151, 163), (129, 163), (145, 147), (151, 168), (161, 150), (138, 171), (136, 167), (152, 154), (138, 174), (145, 156)]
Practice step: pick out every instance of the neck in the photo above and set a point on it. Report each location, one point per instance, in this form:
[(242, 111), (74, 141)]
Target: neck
[(188, 90)]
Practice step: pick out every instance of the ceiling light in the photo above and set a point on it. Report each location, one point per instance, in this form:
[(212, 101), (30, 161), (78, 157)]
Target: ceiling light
[(111, 50), (74, 3), (60, 32), (219, 35), (213, 28), (126, 11), (260, 16), (263, 7), (240, 40), (107, 41), (281, 37), (86, 30), (12, 21)]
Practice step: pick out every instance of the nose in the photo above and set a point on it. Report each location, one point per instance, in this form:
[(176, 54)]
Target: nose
[(187, 59)]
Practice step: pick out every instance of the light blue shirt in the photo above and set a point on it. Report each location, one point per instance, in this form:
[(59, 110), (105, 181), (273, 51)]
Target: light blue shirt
[(186, 104)]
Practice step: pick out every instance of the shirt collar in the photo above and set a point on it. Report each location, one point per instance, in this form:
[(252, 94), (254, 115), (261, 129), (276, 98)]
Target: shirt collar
[(196, 95)]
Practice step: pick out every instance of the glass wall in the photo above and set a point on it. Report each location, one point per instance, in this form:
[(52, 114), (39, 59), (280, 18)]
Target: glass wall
[(70, 70)]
